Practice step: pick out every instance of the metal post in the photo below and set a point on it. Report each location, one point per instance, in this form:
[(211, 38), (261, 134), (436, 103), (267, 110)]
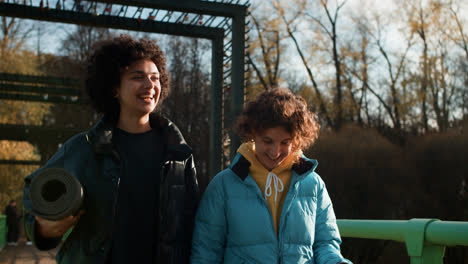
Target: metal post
[(237, 89), (216, 106), (418, 251), (3, 231)]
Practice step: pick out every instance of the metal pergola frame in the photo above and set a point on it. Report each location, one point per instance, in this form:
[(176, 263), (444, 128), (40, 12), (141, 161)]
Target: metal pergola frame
[(226, 19)]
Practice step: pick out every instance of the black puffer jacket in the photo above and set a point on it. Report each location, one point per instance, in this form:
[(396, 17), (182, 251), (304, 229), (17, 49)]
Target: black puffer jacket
[(94, 161)]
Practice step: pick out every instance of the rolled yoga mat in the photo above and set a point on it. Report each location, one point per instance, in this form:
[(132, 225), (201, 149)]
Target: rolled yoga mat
[(55, 194)]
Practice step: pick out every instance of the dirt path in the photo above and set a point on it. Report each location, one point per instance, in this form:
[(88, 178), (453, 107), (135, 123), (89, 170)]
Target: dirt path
[(24, 254)]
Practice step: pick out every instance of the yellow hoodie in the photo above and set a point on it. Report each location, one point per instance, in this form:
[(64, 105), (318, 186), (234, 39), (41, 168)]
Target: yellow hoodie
[(274, 196)]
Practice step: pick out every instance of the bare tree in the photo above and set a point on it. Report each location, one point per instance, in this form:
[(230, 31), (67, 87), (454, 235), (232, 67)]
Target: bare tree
[(386, 81), (330, 30), (417, 83), (188, 102), (437, 26), (418, 19), (14, 34), (78, 43), (288, 23), (457, 33), (266, 38)]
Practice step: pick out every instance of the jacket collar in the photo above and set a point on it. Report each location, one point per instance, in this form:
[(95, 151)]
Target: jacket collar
[(240, 166), (100, 136)]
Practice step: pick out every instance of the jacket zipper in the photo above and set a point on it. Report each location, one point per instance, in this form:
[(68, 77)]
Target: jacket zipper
[(286, 212), (164, 164), (117, 187), (281, 225), (116, 196), (116, 183), (263, 201)]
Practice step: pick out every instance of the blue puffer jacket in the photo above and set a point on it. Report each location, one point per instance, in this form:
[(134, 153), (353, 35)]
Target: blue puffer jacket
[(234, 224)]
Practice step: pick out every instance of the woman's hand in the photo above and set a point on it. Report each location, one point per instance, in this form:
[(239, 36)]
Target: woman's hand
[(53, 229)]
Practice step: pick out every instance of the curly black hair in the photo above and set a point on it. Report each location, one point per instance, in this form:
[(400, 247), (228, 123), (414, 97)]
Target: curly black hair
[(105, 65), (279, 107)]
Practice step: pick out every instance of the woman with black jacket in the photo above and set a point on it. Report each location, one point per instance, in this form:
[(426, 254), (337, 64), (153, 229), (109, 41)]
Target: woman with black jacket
[(137, 171)]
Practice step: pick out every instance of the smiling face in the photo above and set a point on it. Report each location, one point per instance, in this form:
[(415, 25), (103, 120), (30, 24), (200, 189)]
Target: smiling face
[(273, 146), (139, 89)]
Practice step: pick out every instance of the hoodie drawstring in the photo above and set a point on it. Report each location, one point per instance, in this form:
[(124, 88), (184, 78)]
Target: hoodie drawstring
[(276, 182)]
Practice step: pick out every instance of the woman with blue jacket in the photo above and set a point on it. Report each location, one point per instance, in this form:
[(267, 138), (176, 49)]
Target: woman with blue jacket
[(269, 206)]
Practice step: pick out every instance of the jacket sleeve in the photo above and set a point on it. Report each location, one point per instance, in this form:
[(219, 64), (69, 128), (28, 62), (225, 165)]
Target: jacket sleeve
[(210, 226), (327, 236), (57, 161)]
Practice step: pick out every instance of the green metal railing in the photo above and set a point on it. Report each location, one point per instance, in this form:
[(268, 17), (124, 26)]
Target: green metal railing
[(425, 239)]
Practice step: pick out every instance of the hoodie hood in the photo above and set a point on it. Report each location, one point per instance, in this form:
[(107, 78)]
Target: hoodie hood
[(246, 157), (248, 151)]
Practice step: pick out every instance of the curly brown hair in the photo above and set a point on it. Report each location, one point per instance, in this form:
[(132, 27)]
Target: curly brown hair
[(279, 107), (105, 65)]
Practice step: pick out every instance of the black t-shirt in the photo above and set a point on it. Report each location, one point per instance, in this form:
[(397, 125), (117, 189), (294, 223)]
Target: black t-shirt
[(136, 221)]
